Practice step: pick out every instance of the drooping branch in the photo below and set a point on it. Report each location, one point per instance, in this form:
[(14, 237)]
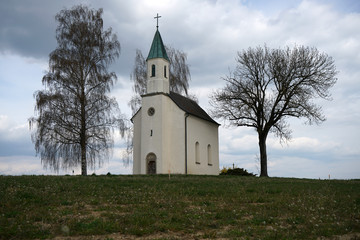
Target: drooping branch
[(75, 117)]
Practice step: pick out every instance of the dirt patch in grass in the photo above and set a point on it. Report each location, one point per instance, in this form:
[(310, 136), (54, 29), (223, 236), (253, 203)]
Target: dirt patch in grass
[(118, 236)]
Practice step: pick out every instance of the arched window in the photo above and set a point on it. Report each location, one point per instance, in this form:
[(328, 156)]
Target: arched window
[(197, 153), (165, 71), (209, 155), (153, 70)]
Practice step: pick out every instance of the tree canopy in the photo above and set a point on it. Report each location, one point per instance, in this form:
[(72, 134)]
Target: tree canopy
[(74, 116), (270, 85)]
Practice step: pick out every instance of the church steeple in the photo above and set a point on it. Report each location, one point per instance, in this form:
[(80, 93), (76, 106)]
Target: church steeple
[(157, 65), (157, 49)]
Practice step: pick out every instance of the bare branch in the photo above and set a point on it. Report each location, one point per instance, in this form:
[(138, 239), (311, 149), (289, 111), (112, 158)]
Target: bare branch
[(269, 85)]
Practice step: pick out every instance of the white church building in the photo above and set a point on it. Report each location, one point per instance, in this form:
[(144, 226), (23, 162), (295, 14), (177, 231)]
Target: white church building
[(172, 133)]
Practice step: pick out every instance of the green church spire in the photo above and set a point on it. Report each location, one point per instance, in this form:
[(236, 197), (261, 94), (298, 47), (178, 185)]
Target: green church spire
[(157, 49)]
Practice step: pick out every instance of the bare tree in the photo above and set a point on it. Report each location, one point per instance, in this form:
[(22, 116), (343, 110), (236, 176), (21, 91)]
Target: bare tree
[(179, 75), (179, 71), (75, 117), (271, 85), (138, 77)]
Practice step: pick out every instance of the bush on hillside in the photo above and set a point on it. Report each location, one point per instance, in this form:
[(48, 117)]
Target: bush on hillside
[(236, 171)]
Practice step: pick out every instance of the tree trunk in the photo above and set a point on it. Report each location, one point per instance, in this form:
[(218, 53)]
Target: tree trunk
[(83, 149), (83, 135), (263, 155), (83, 161)]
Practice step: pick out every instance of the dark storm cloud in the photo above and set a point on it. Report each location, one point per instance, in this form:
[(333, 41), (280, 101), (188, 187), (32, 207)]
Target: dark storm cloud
[(14, 148), (27, 28)]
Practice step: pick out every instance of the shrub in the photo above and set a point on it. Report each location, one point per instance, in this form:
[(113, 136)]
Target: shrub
[(223, 171), (236, 171)]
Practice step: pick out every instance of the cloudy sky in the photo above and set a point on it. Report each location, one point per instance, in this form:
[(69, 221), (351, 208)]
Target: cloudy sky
[(210, 32)]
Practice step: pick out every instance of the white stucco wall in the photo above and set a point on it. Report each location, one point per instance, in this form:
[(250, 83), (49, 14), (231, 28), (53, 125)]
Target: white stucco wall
[(137, 142), (174, 135), (205, 133), (157, 83), (168, 139), (151, 131)]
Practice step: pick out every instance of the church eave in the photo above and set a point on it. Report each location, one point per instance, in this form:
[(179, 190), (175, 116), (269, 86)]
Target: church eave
[(131, 119)]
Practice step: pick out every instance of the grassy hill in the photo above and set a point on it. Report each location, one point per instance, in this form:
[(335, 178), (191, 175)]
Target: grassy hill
[(182, 207)]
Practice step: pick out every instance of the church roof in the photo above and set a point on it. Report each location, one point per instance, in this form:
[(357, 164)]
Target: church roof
[(190, 106), (187, 105), (157, 49)]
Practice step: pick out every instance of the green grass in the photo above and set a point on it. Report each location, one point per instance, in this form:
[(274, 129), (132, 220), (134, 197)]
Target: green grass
[(196, 207)]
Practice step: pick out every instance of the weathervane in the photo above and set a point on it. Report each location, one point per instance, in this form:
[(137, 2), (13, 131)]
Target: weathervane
[(157, 20)]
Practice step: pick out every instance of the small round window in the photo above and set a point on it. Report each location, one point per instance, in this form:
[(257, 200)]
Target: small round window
[(151, 111)]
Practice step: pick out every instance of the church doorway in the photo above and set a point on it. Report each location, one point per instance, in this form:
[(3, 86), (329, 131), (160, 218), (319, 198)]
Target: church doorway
[(151, 163)]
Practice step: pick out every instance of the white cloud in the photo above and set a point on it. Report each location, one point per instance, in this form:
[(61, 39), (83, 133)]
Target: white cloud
[(306, 144), (20, 165), (4, 122), (31, 165), (115, 166), (290, 166), (11, 132)]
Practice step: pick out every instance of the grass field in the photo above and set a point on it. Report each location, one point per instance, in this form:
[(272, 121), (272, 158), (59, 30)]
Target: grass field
[(183, 207)]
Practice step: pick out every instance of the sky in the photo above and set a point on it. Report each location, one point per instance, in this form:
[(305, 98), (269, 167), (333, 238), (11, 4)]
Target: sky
[(211, 33)]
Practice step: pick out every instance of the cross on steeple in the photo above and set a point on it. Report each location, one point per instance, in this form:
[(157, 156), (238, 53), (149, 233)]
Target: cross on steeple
[(157, 20)]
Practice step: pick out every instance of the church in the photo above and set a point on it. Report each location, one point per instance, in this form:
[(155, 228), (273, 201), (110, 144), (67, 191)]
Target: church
[(172, 133)]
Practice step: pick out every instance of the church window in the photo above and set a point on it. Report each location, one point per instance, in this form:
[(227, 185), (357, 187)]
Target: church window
[(197, 153), (165, 71), (151, 111), (209, 155), (153, 70)]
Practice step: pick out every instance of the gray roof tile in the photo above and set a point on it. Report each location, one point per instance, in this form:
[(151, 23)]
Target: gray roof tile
[(190, 107)]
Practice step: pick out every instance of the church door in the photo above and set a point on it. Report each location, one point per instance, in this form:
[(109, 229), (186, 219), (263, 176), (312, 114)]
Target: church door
[(151, 163)]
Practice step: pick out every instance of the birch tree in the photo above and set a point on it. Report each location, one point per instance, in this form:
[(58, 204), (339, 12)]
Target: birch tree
[(74, 117)]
